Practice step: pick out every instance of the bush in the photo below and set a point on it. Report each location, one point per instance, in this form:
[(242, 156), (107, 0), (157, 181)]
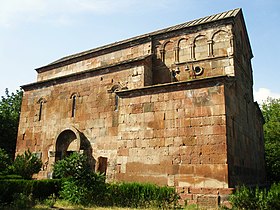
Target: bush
[(26, 165), (246, 198), (273, 197), (142, 195), (22, 201), (87, 190), (40, 189), (75, 165), (243, 198), (10, 176), (5, 161), (74, 192), (80, 185)]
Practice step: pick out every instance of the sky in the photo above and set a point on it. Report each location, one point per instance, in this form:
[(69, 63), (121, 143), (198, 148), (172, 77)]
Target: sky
[(34, 33)]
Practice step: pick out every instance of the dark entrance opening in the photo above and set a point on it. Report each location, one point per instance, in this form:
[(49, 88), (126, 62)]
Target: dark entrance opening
[(67, 142)]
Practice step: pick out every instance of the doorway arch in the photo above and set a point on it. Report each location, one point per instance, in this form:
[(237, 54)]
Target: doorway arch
[(67, 142)]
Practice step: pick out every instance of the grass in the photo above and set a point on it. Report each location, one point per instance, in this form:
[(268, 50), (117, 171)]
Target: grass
[(60, 204), (66, 206)]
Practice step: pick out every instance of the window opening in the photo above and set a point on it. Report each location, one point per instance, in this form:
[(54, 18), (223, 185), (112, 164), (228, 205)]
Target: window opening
[(116, 102), (73, 106), (40, 110)]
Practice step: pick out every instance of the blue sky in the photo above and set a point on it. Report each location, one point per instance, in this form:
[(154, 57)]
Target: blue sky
[(34, 33)]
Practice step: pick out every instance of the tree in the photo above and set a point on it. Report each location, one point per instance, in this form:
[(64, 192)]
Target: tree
[(10, 105), (271, 113)]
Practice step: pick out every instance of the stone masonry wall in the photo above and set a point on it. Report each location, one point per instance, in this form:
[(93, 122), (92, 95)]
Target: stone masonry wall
[(94, 115), (179, 53), (175, 138), (245, 123), (98, 60)]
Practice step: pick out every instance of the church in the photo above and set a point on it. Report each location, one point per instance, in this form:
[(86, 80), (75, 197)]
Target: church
[(173, 107)]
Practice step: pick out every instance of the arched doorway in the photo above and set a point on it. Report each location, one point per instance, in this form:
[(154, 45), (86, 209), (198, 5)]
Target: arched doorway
[(67, 142)]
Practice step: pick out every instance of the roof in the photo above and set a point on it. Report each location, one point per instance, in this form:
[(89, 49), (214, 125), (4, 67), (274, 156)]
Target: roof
[(82, 74), (200, 21)]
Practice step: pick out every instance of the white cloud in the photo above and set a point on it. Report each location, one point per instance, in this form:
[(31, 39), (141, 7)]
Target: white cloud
[(13, 12), (262, 94)]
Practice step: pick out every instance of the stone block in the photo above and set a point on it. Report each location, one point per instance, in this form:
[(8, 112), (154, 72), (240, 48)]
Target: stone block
[(148, 107)]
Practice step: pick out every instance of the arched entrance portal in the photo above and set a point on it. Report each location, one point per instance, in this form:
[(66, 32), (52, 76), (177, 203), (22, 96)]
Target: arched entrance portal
[(67, 142)]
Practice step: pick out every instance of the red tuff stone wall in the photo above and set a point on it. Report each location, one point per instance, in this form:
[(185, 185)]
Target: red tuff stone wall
[(174, 137), (106, 58)]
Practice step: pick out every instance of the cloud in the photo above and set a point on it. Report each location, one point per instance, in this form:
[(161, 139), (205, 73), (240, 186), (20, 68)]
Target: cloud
[(262, 94), (13, 12)]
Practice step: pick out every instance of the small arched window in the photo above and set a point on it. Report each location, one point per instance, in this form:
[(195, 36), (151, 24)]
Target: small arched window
[(73, 106), (40, 110), (168, 58), (113, 90), (41, 107), (74, 98), (183, 51), (116, 102)]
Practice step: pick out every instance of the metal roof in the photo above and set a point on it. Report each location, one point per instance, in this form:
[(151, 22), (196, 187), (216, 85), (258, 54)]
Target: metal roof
[(208, 19)]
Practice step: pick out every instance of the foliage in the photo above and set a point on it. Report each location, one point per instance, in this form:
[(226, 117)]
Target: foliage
[(10, 105), (26, 165), (39, 189), (5, 161), (50, 201), (22, 201), (75, 193), (272, 157), (273, 197), (271, 113), (141, 195), (10, 176), (85, 191), (75, 166), (246, 198), (80, 185)]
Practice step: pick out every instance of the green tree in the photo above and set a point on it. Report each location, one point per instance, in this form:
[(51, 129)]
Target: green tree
[(10, 105), (26, 165), (271, 113)]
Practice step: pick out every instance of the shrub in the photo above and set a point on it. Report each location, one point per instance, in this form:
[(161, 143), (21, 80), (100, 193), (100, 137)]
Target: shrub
[(40, 189), (10, 176), (5, 161), (141, 195), (22, 201), (50, 201), (74, 192), (75, 165), (246, 198), (80, 185), (26, 165), (273, 197), (87, 190)]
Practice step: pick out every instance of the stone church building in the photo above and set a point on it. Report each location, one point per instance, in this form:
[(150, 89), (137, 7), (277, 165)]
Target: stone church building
[(173, 107)]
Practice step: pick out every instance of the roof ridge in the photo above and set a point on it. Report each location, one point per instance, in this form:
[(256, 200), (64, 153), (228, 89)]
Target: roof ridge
[(206, 19)]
